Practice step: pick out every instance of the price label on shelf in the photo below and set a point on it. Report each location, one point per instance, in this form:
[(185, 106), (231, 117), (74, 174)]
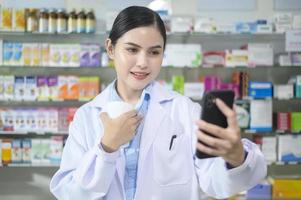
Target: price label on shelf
[(293, 41)]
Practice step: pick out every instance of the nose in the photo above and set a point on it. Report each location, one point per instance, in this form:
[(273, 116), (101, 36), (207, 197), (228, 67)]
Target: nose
[(142, 60)]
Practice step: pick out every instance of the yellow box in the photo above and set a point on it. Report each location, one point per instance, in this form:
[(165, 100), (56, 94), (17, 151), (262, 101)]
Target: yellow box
[(286, 189)]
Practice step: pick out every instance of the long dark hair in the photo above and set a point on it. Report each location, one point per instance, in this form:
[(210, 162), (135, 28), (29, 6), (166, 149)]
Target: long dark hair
[(134, 17)]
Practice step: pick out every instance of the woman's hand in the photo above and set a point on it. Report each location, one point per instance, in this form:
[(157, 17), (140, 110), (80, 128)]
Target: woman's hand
[(228, 142), (118, 131)]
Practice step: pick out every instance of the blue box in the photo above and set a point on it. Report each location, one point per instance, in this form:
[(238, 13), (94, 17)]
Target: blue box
[(260, 191), (260, 90)]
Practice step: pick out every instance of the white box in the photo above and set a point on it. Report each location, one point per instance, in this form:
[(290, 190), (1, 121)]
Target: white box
[(55, 55), (56, 147), (31, 90), (260, 54), (181, 24), (284, 91), (264, 28), (194, 90), (289, 148), (1, 88), (236, 58), (36, 151), (268, 148), (9, 83), (297, 22), (45, 151), (182, 55), (19, 92), (19, 121), (226, 28), (261, 115), (205, 25)]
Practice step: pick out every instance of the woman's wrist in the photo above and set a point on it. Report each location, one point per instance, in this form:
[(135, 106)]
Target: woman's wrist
[(107, 146)]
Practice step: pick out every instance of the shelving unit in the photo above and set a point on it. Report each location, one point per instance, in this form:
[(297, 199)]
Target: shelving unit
[(209, 42)]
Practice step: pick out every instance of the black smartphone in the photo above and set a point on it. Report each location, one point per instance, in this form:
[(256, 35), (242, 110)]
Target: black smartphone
[(212, 114)]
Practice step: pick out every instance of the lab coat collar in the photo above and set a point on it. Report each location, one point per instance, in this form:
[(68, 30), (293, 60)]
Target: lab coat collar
[(158, 94)]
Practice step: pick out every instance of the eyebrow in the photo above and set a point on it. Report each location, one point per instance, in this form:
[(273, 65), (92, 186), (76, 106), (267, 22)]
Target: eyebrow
[(136, 45)]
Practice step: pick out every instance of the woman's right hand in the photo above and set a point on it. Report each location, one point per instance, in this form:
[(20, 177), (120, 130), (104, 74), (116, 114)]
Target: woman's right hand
[(118, 131)]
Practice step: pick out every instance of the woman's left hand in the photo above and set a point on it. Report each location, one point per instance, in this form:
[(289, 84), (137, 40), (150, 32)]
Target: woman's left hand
[(227, 142)]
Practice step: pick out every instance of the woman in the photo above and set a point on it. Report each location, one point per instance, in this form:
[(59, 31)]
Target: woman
[(149, 153)]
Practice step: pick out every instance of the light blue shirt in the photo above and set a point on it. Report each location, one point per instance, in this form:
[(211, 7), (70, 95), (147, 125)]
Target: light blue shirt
[(131, 152)]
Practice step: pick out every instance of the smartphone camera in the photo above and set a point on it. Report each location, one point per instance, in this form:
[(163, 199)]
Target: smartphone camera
[(210, 101)]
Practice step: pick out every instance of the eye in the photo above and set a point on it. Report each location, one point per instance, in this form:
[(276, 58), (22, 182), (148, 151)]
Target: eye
[(154, 52), (132, 50)]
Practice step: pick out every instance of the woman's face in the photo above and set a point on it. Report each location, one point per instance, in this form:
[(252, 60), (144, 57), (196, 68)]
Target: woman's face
[(137, 56)]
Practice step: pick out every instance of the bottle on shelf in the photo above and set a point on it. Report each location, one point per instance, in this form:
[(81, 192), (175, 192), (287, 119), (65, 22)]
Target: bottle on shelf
[(43, 21), (61, 21), (90, 22), (72, 22), (32, 21), (81, 22), (52, 22)]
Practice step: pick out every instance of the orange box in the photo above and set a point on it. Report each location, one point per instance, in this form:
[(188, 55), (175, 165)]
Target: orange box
[(286, 189)]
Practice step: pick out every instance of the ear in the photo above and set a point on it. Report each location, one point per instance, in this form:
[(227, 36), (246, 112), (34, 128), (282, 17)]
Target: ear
[(110, 48)]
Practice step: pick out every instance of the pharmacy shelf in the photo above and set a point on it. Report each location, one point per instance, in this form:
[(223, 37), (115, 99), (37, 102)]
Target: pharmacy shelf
[(205, 37), (280, 170), (43, 104), (31, 133), (17, 165), (53, 38)]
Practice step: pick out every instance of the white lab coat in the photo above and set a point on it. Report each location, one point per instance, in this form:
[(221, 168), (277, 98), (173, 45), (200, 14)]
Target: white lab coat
[(87, 172)]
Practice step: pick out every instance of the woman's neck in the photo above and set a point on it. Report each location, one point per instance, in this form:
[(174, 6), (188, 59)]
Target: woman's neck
[(128, 95)]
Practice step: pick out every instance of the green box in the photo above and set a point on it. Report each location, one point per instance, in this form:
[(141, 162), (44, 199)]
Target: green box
[(296, 121), (178, 84)]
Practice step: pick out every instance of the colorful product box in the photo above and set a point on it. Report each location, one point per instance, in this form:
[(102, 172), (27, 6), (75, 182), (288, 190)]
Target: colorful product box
[(6, 19), (19, 20), (298, 86), (63, 123), (284, 121), (8, 50), (261, 115), (284, 91), (19, 91), (94, 53), (52, 120), (31, 121), (36, 54), (286, 189), (45, 151), (6, 151), (45, 54), (63, 87), (73, 88), (36, 151), (183, 55), (42, 88), (0, 150), (75, 55), (93, 89), (8, 120), (212, 83), (181, 24), (55, 55), (269, 149), (26, 150), (1, 88), (194, 90), (27, 54), (236, 58), (296, 121), (17, 59), (19, 120), (260, 54), (84, 55), (56, 149), (260, 191), (16, 151), (31, 90), (289, 148), (260, 90), (214, 58), (178, 84), (52, 83), (9, 82)]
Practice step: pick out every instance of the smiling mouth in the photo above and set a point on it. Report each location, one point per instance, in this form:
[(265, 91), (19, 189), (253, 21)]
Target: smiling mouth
[(139, 76)]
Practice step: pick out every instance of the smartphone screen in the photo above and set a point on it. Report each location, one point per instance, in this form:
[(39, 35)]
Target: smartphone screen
[(212, 114)]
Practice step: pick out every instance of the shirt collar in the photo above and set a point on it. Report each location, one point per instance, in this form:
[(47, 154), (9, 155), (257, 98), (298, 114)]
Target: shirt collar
[(145, 95)]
